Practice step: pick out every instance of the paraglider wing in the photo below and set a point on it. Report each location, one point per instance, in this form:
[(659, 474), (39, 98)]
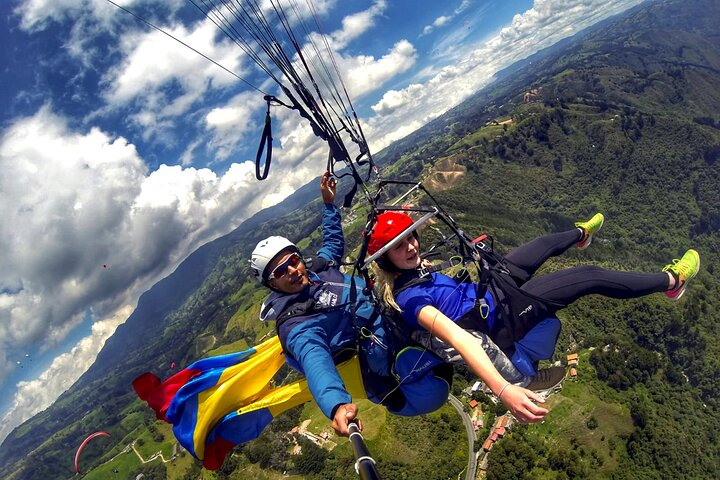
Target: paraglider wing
[(82, 445)]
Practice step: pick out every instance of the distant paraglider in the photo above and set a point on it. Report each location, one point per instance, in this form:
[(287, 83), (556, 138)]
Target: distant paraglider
[(82, 446), (172, 365)]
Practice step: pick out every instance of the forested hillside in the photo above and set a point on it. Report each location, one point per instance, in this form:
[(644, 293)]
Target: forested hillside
[(624, 120)]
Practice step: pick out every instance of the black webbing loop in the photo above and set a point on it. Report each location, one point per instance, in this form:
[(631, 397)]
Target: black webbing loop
[(265, 141), (347, 202)]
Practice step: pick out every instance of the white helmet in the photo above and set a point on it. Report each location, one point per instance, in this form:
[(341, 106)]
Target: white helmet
[(266, 250)]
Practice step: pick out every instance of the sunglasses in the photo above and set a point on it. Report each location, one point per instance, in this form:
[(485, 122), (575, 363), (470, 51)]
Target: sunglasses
[(292, 261)]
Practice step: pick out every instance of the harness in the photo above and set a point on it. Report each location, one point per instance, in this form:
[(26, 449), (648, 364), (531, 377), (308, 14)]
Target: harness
[(366, 343)]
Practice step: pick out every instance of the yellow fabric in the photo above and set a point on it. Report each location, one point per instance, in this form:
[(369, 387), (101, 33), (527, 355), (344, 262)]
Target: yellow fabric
[(238, 386), (284, 398), (245, 387)]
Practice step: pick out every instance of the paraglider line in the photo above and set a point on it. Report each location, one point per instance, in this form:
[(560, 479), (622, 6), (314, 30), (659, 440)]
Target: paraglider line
[(148, 23)]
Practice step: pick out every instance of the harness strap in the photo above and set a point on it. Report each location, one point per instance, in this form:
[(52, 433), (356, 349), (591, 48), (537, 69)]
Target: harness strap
[(452, 262), (265, 141)]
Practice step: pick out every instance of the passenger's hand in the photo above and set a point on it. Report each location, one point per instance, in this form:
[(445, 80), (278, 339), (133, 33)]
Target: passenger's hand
[(521, 403), (343, 415), (327, 187)]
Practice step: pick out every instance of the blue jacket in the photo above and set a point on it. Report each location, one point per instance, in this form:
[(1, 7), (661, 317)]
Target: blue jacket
[(316, 339)]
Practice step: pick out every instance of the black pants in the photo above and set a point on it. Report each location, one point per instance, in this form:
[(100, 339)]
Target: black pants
[(565, 286)]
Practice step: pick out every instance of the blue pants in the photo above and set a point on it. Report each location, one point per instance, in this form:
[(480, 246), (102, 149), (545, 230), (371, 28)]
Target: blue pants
[(538, 344)]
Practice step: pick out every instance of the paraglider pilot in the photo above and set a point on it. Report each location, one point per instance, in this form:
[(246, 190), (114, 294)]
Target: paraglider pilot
[(311, 309)]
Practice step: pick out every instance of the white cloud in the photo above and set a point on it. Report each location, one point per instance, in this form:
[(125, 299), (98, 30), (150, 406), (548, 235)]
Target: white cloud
[(39, 14), (363, 73), (394, 99), (153, 61), (464, 5), (231, 122), (34, 396), (356, 24), (443, 20), (36, 14), (85, 224)]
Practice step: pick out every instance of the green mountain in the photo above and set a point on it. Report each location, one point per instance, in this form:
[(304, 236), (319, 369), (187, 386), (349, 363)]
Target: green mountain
[(624, 119)]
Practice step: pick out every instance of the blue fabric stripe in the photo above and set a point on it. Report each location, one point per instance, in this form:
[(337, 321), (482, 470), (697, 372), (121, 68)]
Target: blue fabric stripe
[(183, 409), (184, 428), (239, 429)]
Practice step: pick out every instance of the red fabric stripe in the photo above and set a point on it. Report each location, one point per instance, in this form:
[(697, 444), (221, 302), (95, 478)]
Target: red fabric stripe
[(216, 452), (159, 395)]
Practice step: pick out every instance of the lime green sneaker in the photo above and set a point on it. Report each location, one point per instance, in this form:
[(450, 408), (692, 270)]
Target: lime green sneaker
[(589, 228), (683, 270)]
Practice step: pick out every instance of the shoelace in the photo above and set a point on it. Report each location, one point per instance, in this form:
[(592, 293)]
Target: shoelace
[(679, 267), (682, 271)]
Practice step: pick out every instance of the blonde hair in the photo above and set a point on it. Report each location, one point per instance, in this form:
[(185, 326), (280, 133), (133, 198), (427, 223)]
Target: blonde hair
[(384, 281)]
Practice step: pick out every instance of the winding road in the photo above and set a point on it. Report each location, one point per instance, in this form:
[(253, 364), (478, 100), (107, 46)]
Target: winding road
[(472, 460)]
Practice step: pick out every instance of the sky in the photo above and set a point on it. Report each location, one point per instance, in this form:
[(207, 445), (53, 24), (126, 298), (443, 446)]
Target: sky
[(122, 151)]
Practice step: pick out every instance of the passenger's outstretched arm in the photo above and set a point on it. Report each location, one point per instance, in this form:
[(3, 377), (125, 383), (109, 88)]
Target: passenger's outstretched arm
[(518, 400)]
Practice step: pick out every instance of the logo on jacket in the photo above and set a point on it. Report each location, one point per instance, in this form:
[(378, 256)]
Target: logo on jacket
[(327, 299), (528, 309)]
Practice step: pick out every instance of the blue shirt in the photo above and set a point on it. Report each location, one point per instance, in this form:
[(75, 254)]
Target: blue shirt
[(453, 299)]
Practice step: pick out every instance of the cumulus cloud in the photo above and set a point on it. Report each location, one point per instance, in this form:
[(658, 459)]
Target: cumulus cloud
[(394, 99), (361, 74), (356, 24), (231, 122), (85, 224), (39, 14), (152, 62), (364, 73), (34, 396), (441, 20)]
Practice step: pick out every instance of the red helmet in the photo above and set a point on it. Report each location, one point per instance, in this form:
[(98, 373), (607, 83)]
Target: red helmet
[(388, 226)]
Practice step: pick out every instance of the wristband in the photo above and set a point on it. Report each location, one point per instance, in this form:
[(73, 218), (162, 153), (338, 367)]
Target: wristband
[(499, 395)]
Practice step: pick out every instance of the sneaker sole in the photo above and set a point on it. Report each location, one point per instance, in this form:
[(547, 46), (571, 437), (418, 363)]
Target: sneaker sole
[(588, 241), (559, 382), (675, 298)]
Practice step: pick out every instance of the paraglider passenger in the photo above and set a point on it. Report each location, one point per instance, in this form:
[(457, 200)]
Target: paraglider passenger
[(518, 310)]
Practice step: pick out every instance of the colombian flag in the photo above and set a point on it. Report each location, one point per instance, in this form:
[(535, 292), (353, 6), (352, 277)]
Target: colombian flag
[(219, 402)]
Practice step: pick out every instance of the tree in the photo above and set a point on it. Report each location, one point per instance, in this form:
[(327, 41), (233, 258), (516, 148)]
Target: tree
[(592, 423), (312, 459)]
